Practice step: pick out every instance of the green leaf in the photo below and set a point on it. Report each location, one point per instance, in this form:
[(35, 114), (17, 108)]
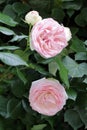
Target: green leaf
[(23, 54), (21, 76), (9, 47), (18, 38), (81, 56), (70, 12), (1, 124), (7, 20), (81, 19), (18, 88), (85, 42), (20, 8), (8, 10), (62, 71), (11, 59), (77, 45), (6, 31), (2, 1), (3, 106), (14, 108), (26, 107), (85, 80), (74, 30), (53, 67), (38, 127), (81, 107), (58, 14), (76, 5), (72, 117), (71, 94), (75, 70)]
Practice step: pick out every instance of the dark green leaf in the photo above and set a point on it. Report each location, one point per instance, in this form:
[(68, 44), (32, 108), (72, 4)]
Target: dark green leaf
[(77, 45), (81, 103), (58, 14), (9, 11), (74, 30), (81, 19), (3, 106), (71, 93), (76, 5), (21, 76), (70, 12), (14, 108), (18, 88), (1, 124), (20, 8), (72, 117)]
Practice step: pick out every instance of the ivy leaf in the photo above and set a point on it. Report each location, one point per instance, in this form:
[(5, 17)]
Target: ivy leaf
[(7, 20), (81, 107), (81, 56), (72, 117), (71, 94), (75, 69), (12, 59), (77, 45), (20, 8)]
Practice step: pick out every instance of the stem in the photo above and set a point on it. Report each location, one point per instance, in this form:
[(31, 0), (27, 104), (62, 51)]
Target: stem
[(28, 40)]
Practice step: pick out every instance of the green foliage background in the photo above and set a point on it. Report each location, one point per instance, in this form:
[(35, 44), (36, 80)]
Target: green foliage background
[(19, 67)]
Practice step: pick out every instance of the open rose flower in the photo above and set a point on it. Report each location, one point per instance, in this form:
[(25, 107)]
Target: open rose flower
[(47, 96), (49, 38), (32, 17)]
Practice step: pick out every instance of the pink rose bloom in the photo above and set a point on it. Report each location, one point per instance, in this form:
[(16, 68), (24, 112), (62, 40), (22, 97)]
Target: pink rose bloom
[(47, 96), (49, 38)]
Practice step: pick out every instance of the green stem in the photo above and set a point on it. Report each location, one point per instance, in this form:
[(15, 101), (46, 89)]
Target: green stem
[(28, 40)]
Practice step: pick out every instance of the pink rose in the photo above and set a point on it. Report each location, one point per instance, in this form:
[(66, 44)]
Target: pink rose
[(47, 96), (49, 38)]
